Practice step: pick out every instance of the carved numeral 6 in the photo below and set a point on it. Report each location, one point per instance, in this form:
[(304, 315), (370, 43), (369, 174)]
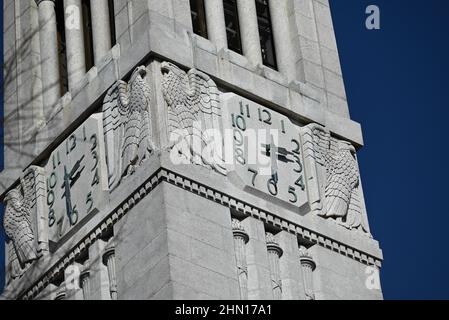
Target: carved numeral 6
[(73, 216), (89, 202), (272, 187)]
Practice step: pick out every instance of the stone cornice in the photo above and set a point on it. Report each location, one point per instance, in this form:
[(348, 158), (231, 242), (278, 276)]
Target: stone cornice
[(163, 175)]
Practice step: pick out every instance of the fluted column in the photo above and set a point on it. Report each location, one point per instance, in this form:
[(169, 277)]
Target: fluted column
[(76, 59), (85, 283), (109, 261), (49, 54), (249, 30), (241, 238), (101, 29), (307, 266), (279, 11), (274, 254), (216, 27)]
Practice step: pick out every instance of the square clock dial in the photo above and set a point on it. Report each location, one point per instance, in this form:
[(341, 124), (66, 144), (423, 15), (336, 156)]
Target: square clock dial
[(267, 152), (76, 182)]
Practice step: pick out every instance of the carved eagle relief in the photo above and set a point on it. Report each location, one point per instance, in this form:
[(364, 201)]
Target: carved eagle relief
[(342, 179), (194, 114), (17, 224), (127, 126)]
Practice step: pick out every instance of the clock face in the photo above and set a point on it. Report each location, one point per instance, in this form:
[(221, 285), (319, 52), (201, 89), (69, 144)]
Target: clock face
[(75, 181), (267, 151)]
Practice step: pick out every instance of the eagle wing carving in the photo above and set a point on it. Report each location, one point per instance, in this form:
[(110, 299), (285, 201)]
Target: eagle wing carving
[(193, 108), (341, 190), (127, 126), (18, 227)]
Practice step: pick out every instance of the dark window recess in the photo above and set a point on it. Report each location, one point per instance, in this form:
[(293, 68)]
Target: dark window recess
[(232, 25), (112, 23), (62, 50), (198, 17), (266, 34), (88, 40)]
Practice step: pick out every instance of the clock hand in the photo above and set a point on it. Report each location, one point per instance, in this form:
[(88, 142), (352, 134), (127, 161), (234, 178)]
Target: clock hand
[(75, 170), (69, 180), (274, 160), (74, 178), (66, 194)]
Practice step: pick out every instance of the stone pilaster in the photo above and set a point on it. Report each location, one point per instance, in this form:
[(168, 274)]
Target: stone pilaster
[(249, 30), (85, 283), (109, 261), (61, 292), (285, 53), (76, 59), (241, 238), (216, 27), (274, 254), (101, 29), (259, 279), (49, 54), (308, 266)]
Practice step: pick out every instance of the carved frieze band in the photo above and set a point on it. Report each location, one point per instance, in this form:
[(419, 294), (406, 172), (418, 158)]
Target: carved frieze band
[(164, 175)]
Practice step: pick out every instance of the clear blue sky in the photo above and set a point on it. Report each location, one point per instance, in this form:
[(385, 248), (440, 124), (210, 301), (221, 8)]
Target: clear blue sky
[(397, 82)]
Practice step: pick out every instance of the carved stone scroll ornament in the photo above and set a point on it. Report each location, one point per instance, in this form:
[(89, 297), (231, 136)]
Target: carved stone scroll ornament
[(127, 126), (194, 115), (19, 224), (340, 178)]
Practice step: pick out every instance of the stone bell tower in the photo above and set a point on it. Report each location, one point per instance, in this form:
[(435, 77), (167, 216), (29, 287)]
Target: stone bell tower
[(166, 149)]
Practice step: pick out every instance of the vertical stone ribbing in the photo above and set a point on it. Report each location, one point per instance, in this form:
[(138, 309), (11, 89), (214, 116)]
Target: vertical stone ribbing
[(101, 29), (279, 11), (308, 266), (76, 59), (216, 27), (274, 254), (241, 238), (109, 261), (85, 283), (49, 54), (249, 30)]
